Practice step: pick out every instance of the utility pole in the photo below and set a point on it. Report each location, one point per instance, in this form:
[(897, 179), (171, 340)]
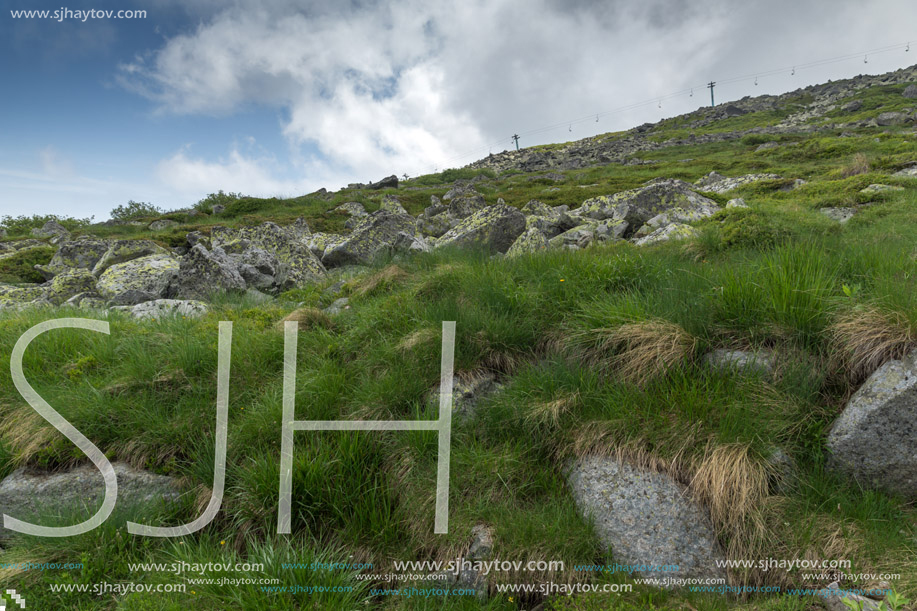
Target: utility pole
[(710, 86), (516, 138)]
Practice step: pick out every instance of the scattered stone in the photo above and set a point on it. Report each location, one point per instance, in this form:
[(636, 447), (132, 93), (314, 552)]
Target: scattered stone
[(163, 224), (121, 251), (482, 543), (759, 362), (644, 517), (373, 239), (51, 229), (162, 308), (874, 440), (886, 119), (351, 208), (907, 172), (288, 262), (531, 240), (839, 214), (68, 283), (30, 495), (217, 209), (767, 146), (84, 252), (466, 203), (737, 202), (876, 189), (392, 204), (798, 182), (337, 306), (910, 92), (318, 243), (716, 183), (468, 390), (834, 596), (389, 182), (852, 106), (675, 231)]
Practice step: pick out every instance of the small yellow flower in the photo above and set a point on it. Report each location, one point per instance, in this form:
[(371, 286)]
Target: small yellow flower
[(561, 279), (222, 542)]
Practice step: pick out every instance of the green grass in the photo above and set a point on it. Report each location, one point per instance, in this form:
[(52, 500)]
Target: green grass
[(772, 276)]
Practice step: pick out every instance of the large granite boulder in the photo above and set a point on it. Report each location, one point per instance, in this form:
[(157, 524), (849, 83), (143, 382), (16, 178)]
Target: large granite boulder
[(164, 308), (138, 279), (645, 518), (874, 440), (204, 272), (84, 252), (374, 238), (51, 229), (30, 495), (675, 231), (531, 240), (294, 264), (66, 284), (121, 251), (494, 228), (717, 183)]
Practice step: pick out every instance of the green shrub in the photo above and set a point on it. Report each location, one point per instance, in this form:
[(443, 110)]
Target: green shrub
[(22, 225), (218, 198), (134, 210), (756, 139), (21, 266)]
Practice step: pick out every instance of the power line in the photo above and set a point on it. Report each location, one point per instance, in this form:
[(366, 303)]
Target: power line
[(594, 117)]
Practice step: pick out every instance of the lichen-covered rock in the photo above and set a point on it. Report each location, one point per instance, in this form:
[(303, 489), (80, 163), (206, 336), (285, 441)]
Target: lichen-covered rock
[(392, 204), (583, 235), (892, 118), (910, 92), (260, 269), (148, 276), (84, 252), (907, 172), (319, 242), (29, 495), (51, 229), (537, 208), (465, 204), (351, 208), (204, 272), (531, 240), (839, 214), (737, 202), (494, 229), (162, 308), (409, 243), (14, 296), (163, 224), (717, 183), (468, 390), (637, 206), (121, 251), (296, 266), (373, 239), (68, 283), (877, 189), (676, 215), (722, 359), (645, 518), (874, 440), (675, 231)]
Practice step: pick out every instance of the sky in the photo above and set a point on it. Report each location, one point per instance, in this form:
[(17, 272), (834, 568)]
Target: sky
[(283, 97)]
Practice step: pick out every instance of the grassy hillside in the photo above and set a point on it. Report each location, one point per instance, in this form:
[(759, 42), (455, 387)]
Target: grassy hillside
[(598, 351)]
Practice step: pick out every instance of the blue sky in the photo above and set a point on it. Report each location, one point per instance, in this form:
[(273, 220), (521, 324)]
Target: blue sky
[(282, 97)]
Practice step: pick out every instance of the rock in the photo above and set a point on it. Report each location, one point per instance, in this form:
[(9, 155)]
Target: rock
[(468, 389), (138, 279), (351, 208), (645, 518), (390, 182), (259, 268), (437, 223), (834, 596), (51, 229), (319, 242), (294, 265), (675, 231), (874, 440), (392, 204), (760, 362), (583, 235), (886, 119), (67, 284), (202, 273), (716, 183), (337, 306), (852, 106), (162, 308), (3, 234), (797, 182), (17, 297), (409, 243), (28, 494), (839, 214), (531, 240), (371, 240), (196, 237), (163, 224), (84, 253), (637, 206), (465, 204), (494, 228), (910, 92), (537, 208), (782, 471), (482, 543), (121, 251), (217, 209), (876, 189), (766, 146), (907, 172), (736, 203)]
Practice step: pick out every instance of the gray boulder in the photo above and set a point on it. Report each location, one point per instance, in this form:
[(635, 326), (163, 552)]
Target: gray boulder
[(389, 182), (466, 203), (295, 265), (51, 229), (68, 283), (319, 242), (761, 362), (841, 214), (374, 238), (737, 202), (531, 240), (717, 183), (29, 494), (163, 224), (138, 279), (675, 231), (907, 172), (886, 119), (351, 208), (910, 92), (468, 390), (874, 440), (161, 308), (494, 228), (879, 189), (204, 272), (645, 518), (392, 204), (121, 251), (84, 252)]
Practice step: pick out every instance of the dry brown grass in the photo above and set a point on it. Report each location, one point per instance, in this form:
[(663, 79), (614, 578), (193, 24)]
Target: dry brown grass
[(636, 351), (385, 278), (25, 433), (308, 318), (731, 483), (865, 337), (858, 165), (419, 337)]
